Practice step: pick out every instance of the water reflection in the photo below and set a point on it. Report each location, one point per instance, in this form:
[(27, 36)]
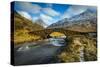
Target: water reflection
[(57, 41), (49, 41)]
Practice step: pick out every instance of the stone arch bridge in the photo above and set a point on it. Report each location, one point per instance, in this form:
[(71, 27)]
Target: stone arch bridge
[(45, 32)]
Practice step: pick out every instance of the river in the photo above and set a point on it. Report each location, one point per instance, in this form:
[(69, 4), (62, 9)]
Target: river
[(41, 52)]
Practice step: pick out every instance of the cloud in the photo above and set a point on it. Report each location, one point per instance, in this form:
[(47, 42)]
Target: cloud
[(47, 19), (28, 7), (51, 12), (29, 10), (35, 18), (25, 14), (74, 10)]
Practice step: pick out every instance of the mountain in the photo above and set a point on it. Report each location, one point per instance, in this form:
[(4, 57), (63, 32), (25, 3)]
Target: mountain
[(83, 22), (41, 22), (88, 14), (62, 23), (21, 28), (21, 22)]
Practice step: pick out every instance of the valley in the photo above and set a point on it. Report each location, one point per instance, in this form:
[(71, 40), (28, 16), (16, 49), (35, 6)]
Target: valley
[(68, 40)]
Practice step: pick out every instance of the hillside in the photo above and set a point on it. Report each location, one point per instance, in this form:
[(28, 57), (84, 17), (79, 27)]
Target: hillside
[(21, 28), (22, 23)]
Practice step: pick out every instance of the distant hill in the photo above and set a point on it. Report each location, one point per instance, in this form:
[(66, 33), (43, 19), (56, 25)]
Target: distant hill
[(86, 15), (21, 22), (41, 22), (83, 22), (22, 26)]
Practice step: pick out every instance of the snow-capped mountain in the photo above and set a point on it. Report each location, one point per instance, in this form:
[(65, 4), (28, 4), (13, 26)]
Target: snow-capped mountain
[(85, 21), (62, 23), (88, 14)]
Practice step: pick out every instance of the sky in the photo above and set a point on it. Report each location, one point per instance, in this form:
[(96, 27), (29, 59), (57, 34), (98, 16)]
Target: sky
[(48, 12)]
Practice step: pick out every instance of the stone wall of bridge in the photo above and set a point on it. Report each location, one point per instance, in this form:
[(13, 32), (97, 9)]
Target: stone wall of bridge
[(44, 33)]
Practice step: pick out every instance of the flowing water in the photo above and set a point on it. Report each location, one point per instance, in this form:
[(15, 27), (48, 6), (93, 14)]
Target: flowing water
[(41, 52), (82, 54)]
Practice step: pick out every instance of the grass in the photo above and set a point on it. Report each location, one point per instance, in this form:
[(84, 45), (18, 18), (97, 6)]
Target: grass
[(22, 36), (71, 52)]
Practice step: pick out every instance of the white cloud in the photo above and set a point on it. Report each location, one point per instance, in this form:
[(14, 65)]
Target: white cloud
[(47, 19), (51, 12), (74, 10), (24, 14), (45, 16), (28, 7), (35, 18)]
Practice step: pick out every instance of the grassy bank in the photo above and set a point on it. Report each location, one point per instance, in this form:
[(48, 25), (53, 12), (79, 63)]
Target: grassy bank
[(71, 52), (22, 36)]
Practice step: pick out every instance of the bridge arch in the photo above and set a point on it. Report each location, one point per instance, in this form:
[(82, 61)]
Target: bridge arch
[(46, 32), (56, 34)]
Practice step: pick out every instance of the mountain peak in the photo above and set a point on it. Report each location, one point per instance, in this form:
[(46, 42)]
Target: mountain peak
[(41, 22), (83, 22), (87, 14)]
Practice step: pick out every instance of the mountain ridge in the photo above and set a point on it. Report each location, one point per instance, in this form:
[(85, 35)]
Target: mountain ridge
[(83, 22), (21, 22), (41, 22)]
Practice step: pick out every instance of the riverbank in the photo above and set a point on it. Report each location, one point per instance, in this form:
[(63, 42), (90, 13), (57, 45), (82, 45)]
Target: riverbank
[(72, 49), (79, 49)]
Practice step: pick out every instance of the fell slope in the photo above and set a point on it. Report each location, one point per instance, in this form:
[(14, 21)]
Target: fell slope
[(22, 26)]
